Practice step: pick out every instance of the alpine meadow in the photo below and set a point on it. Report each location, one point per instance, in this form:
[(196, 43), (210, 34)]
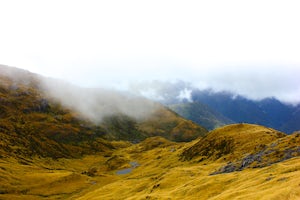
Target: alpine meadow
[(149, 100)]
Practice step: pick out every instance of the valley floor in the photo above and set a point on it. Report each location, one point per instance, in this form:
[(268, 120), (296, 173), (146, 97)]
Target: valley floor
[(157, 173)]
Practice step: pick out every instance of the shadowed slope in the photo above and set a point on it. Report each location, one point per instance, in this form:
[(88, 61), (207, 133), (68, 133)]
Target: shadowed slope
[(201, 114), (168, 124)]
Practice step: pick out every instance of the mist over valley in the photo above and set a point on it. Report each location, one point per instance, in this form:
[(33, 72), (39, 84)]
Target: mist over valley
[(149, 100)]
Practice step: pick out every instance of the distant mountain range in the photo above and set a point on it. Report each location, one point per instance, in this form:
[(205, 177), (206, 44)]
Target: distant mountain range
[(268, 112), (214, 109)]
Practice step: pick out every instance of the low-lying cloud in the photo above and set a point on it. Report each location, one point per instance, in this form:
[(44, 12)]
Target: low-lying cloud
[(93, 104), (219, 44), (96, 104), (254, 82)]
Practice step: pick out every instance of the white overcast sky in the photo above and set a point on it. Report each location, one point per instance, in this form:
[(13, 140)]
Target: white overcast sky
[(250, 47)]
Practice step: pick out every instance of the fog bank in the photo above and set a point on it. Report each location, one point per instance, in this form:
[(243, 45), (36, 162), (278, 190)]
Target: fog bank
[(96, 104)]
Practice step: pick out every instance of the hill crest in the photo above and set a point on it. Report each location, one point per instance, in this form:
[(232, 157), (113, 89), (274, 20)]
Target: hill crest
[(231, 142)]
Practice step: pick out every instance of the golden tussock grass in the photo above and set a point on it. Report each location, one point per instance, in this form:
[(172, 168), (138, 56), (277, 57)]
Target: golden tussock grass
[(161, 174)]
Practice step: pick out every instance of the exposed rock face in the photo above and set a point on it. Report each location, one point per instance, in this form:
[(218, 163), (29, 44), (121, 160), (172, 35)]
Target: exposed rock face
[(277, 151)]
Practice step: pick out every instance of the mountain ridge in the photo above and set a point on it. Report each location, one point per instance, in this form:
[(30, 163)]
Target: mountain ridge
[(34, 123), (268, 111), (49, 150), (201, 114)]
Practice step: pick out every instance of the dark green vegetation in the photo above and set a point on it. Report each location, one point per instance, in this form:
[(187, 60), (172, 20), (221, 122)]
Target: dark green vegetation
[(201, 114)]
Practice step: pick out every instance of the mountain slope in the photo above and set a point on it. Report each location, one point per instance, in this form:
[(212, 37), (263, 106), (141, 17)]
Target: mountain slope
[(267, 112), (293, 123), (152, 170), (34, 123), (277, 151), (161, 176), (201, 114), (244, 146), (232, 142), (50, 151)]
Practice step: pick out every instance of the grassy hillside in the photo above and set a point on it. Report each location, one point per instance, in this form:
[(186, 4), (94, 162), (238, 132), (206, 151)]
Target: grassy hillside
[(244, 146), (168, 124), (154, 169), (161, 174), (50, 152), (232, 142), (33, 123)]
